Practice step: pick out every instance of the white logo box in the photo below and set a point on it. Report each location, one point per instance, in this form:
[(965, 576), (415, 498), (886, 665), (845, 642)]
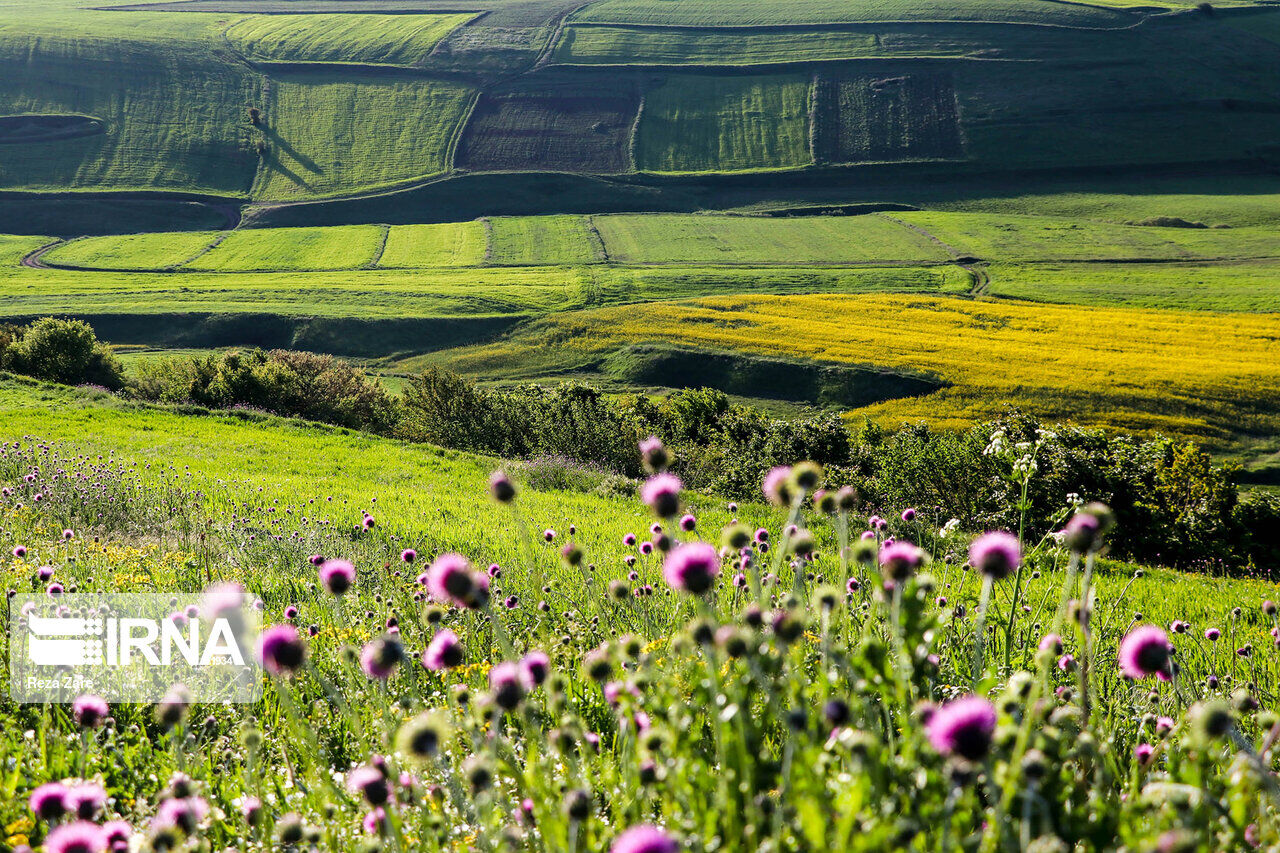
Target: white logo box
[(133, 647)]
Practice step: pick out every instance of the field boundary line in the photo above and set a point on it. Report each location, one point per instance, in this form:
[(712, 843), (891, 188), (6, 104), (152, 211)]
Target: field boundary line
[(487, 260), (382, 247), (455, 138), (955, 253), (213, 244), (553, 41), (593, 233), (855, 26)]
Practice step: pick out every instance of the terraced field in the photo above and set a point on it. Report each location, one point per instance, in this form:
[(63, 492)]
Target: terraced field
[(132, 251), (697, 124), (605, 45), (1187, 373), (819, 240), (742, 13), (327, 135), (294, 249), (878, 118), (1019, 238), (520, 241), (356, 38), (574, 126), (451, 244)]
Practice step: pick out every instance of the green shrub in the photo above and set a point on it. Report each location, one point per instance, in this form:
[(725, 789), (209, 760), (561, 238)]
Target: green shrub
[(64, 351), (296, 384)]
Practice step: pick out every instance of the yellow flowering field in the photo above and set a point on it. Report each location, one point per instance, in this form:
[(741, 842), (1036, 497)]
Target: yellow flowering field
[(1210, 375)]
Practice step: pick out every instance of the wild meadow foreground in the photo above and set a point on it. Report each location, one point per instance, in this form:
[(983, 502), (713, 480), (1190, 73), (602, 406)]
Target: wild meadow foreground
[(459, 661)]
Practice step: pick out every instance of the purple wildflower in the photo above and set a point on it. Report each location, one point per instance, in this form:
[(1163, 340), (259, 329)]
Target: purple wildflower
[(534, 669), (79, 837), (89, 710), (281, 650), (337, 576), (1144, 651), (505, 682), (49, 801), (644, 838), (777, 487), (900, 559), (963, 727), (995, 554), (692, 568), (443, 652), (661, 493)]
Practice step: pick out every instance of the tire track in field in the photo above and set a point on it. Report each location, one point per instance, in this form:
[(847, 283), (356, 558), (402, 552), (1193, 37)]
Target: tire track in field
[(975, 267), (382, 247), (31, 260)]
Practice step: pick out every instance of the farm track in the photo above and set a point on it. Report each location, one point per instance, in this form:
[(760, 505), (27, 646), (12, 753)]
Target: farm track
[(382, 247), (951, 250), (31, 260)]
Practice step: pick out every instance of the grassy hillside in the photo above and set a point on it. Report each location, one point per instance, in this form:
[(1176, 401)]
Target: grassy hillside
[(372, 39), (694, 124), (327, 135), (518, 241), (173, 115), (703, 13)]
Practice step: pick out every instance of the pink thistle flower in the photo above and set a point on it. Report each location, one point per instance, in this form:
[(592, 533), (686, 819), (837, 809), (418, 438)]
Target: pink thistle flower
[(1144, 651), (19, 551), (777, 486), (375, 822), (222, 600), (450, 579), (1212, 635), (79, 837), (1143, 753), (379, 658), (963, 727), (995, 554), (281, 650), (692, 568), (85, 800), (117, 833), (534, 669), (408, 555), (900, 559), (644, 838), (443, 652), (337, 576), (49, 801), (688, 523), (89, 710), (505, 682), (661, 493), (370, 783)]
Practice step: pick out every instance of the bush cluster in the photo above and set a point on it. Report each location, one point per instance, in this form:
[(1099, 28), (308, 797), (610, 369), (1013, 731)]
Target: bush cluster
[(1175, 506), (298, 384), (57, 350)]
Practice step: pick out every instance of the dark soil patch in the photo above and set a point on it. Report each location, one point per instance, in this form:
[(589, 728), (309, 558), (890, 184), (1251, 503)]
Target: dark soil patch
[(48, 128), (563, 128), (869, 118)]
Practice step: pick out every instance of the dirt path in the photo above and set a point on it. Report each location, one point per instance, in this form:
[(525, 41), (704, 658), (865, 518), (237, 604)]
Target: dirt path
[(31, 260)]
